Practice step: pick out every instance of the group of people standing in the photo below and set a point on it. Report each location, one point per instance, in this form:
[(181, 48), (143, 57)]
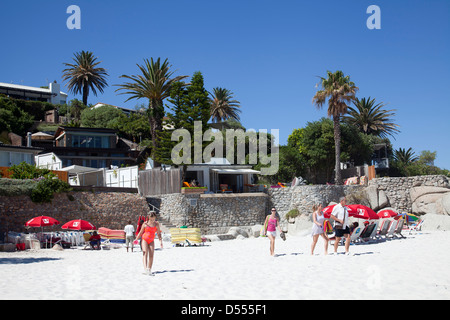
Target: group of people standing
[(149, 228), (341, 227)]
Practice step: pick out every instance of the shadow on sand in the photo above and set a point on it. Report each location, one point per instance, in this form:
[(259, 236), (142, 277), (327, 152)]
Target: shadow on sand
[(25, 260)]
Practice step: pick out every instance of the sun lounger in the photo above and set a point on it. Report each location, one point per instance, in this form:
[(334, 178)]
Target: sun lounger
[(384, 229), (373, 235), (368, 233), (355, 236), (186, 236), (399, 228), (392, 228), (415, 227)]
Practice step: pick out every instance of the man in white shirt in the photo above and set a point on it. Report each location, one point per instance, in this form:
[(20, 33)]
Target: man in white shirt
[(341, 226), (129, 235)]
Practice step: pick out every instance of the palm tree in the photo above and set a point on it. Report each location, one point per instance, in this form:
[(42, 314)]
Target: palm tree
[(223, 107), (84, 75), (404, 156), (370, 118), (155, 84), (339, 91)]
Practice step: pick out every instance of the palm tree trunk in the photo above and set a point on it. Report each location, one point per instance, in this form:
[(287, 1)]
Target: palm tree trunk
[(85, 94), (155, 118), (337, 147)]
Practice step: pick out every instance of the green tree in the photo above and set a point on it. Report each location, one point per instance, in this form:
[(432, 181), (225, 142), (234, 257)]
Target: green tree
[(315, 144), (404, 156), (13, 118), (187, 104), (84, 75), (101, 117), (154, 83), (339, 91), (135, 127), (223, 106), (291, 165), (371, 118)]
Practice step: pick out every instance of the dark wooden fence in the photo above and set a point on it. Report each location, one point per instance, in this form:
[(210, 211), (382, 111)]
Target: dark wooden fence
[(156, 182)]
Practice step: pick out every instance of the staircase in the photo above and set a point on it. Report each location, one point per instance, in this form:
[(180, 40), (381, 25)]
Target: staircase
[(164, 224)]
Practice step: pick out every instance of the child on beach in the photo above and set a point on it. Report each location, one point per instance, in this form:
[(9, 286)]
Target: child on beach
[(272, 222), (148, 230), (317, 229)]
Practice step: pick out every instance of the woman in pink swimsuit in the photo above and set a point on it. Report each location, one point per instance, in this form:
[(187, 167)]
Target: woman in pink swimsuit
[(148, 231), (272, 222)]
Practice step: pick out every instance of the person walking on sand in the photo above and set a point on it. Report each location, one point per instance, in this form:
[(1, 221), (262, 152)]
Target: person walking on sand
[(317, 228), (272, 222), (129, 235), (340, 216), (148, 230)]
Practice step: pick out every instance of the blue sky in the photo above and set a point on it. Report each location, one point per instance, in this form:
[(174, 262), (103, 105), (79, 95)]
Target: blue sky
[(269, 53)]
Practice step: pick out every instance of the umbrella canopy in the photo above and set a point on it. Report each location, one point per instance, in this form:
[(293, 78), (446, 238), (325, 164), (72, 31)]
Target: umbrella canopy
[(387, 213), (327, 211), (79, 225), (41, 221), (407, 216), (362, 212)]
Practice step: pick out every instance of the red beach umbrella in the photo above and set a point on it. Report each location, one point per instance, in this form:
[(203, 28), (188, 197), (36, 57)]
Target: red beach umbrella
[(362, 212), (42, 221), (79, 225), (327, 211), (387, 213)]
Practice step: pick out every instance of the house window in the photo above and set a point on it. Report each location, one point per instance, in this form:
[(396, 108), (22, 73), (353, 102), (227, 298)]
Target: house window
[(90, 141)]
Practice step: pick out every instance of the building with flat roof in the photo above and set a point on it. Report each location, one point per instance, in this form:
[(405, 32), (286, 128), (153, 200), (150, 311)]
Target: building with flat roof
[(51, 94), (89, 147)]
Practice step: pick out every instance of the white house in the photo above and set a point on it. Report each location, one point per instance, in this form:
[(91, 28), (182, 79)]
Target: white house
[(51, 94), (14, 155)]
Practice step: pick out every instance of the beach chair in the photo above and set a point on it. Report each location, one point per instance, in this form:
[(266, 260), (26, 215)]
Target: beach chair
[(355, 236), (186, 236), (373, 235), (367, 233), (384, 229), (399, 228), (415, 227), (392, 228), (87, 243)]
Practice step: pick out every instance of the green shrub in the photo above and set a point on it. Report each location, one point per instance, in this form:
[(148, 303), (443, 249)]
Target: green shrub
[(292, 213), (28, 171), (12, 187), (45, 189)]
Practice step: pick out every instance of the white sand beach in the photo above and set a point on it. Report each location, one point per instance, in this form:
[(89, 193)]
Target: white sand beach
[(411, 268)]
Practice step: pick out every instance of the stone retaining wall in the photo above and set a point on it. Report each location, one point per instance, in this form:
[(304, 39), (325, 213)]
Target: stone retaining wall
[(216, 213), (304, 197), (398, 189), (112, 210), (213, 213)]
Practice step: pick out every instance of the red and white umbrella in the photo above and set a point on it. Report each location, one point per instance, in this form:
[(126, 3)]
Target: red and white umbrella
[(42, 221), (327, 211), (387, 213), (362, 212), (79, 225)]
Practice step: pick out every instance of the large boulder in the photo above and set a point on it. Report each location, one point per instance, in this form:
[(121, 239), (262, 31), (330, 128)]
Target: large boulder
[(443, 204), (417, 192), (430, 200), (377, 198), (436, 222)]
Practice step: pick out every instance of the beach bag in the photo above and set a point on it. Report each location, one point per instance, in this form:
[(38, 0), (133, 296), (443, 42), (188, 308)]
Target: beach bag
[(327, 227)]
